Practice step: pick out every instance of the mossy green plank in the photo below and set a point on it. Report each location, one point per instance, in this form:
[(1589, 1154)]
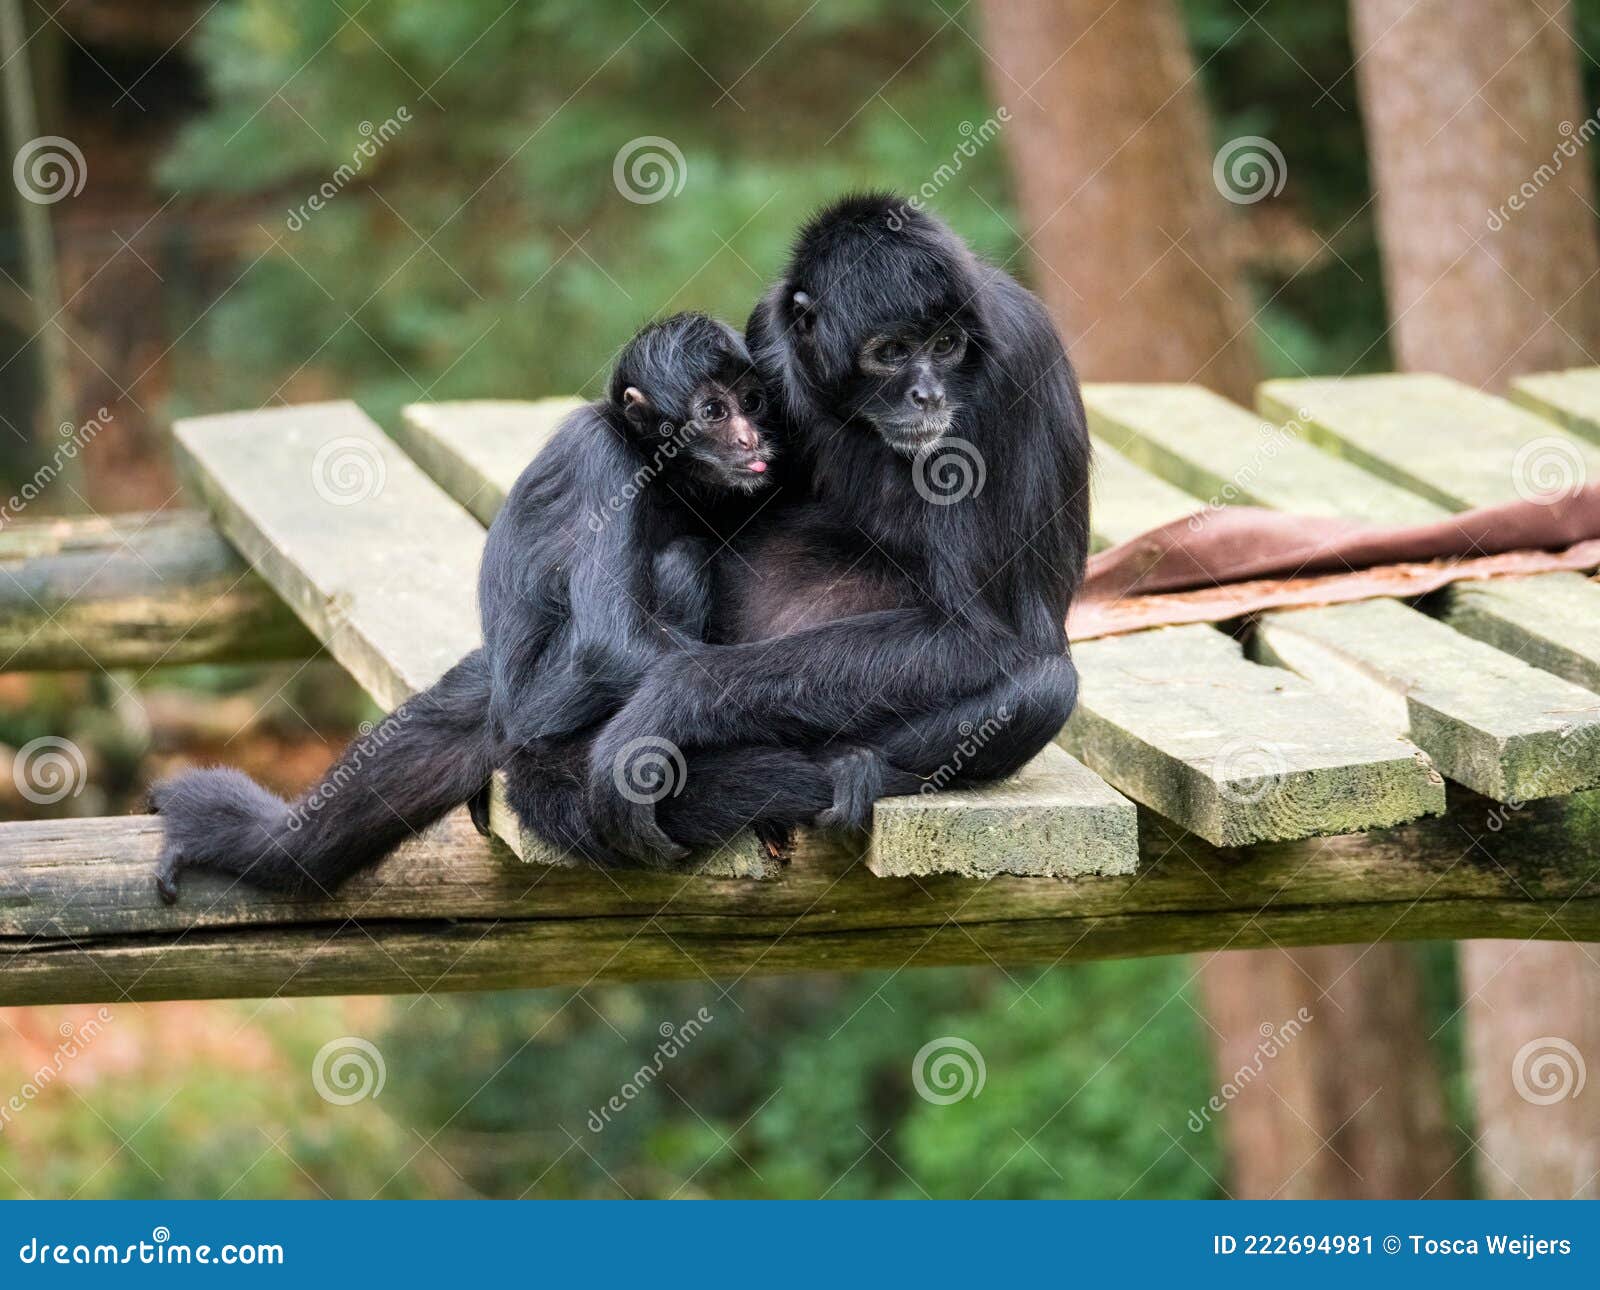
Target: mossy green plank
[(1570, 398), (1455, 445), (1239, 753), (1050, 828), (1218, 451), (1551, 621), (1488, 720), (1055, 818), (476, 449), (378, 562), (1127, 501)]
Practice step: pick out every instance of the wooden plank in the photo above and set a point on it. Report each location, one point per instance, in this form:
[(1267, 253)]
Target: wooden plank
[(1060, 821), (376, 561), (1216, 450), (1128, 501), (1464, 448), (135, 591), (1488, 720), (1055, 818), (1404, 669), (1238, 753), (1551, 621), (1197, 762), (80, 920), (1570, 398), (1454, 445), (380, 564), (475, 449)]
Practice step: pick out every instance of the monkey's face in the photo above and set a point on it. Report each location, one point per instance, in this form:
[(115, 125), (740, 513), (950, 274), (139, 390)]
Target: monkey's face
[(724, 434), (909, 382)]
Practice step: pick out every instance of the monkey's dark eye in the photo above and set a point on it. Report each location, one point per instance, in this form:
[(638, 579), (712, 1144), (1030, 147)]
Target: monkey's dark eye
[(891, 352), (753, 402), (713, 410), (944, 343)]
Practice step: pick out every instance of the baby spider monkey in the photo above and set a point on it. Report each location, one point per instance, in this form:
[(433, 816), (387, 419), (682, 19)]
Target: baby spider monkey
[(600, 561)]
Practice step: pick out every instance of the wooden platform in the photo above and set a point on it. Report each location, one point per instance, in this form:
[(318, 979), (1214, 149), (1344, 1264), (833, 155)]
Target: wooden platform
[(1370, 771)]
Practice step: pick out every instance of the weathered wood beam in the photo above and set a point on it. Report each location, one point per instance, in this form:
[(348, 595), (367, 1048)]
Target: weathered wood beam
[(80, 920), (135, 591)]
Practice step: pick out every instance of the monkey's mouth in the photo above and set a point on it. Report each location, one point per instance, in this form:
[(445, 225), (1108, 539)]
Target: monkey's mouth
[(911, 435), (751, 474)]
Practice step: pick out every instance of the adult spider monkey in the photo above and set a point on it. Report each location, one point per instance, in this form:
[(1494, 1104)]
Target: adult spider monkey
[(594, 566), (870, 613)]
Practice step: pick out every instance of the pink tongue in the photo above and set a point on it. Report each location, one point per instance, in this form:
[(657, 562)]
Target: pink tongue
[(758, 466)]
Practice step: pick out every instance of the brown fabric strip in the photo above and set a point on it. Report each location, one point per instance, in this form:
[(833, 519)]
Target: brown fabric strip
[(1235, 560), (1091, 618)]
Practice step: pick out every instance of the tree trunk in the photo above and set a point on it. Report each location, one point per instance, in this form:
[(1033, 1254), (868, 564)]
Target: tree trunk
[(1467, 110), (1112, 158), (1477, 130), (1112, 154)]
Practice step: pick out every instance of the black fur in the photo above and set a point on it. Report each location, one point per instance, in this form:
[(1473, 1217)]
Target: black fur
[(874, 617)]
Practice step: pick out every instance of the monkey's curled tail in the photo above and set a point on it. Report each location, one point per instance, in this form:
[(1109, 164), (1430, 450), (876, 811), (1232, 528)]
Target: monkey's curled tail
[(429, 755)]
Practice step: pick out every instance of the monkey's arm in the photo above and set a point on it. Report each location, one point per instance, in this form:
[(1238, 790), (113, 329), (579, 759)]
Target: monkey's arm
[(568, 638), (831, 683), (683, 590)]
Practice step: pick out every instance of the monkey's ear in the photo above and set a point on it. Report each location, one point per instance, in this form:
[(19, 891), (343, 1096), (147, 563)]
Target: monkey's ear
[(635, 406), (802, 313)]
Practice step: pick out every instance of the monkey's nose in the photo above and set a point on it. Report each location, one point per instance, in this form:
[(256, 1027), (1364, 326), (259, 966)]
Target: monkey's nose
[(745, 439), (928, 399)]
